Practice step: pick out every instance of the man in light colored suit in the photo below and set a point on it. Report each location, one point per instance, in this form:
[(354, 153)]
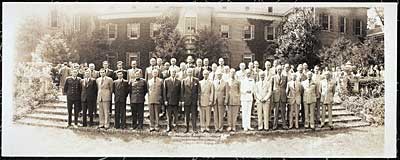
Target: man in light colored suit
[(328, 86), (173, 65), (241, 73), (205, 101), (220, 101), (279, 83), (309, 98), (149, 70), (233, 101), (247, 86), (155, 86), (263, 92), (104, 96), (268, 72), (293, 91), (212, 75), (133, 70)]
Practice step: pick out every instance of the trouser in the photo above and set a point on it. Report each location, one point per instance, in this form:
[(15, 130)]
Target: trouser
[(172, 115), (317, 112), (303, 114), (218, 114), (246, 114), (104, 114), (329, 106), (294, 113), (87, 108), (120, 114), (191, 114), (137, 115), (309, 115), (110, 108), (154, 110), (73, 104), (279, 107), (232, 115), (205, 117), (263, 115)]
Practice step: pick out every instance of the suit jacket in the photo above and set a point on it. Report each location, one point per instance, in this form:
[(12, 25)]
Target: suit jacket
[(190, 92), (327, 91), (109, 73), (124, 72), (207, 93), (155, 90), (131, 72), (310, 92), (148, 72), (121, 90), (137, 90), (64, 73), (247, 84), (104, 89), (263, 90), (317, 79), (72, 88), (207, 67), (293, 91), (221, 92), (198, 73), (89, 90), (94, 74), (172, 90), (234, 93), (279, 88)]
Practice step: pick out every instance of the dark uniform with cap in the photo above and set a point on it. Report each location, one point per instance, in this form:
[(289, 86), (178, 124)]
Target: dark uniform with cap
[(72, 89), (137, 91)]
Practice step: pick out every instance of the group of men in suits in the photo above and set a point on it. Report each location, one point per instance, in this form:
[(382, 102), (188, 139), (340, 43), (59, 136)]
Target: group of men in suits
[(217, 90)]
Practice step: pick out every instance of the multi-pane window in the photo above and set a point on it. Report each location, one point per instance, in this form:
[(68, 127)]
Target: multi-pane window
[(225, 31), (77, 23), (112, 31), (190, 25), (154, 29), (248, 57), (342, 24), (54, 18), (133, 30), (324, 21), (269, 33), (269, 9), (357, 27), (248, 32)]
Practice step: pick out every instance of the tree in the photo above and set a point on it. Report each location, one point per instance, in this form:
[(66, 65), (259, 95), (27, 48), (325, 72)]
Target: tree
[(369, 52), (169, 43), (299, 40), (54, 49), (209, 44), (29, 32), (338, 53)]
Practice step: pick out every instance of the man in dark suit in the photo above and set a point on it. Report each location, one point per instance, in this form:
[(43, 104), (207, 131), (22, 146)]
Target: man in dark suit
[(88, 97), (189, 95), (120, 68), (279, 83), (120, 93), (172, 87), (137, 91), (72, 88)]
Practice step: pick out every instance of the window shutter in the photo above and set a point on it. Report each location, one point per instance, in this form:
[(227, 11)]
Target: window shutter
[(151, 29), (354, 26), (320, 19), (362, 29), (138, 30), (345, 24), (128, 30), (220, 30), (243, 31), (229, 31), (252, 31), (330, 23), (274, 34), (339, 23), (116, 31)]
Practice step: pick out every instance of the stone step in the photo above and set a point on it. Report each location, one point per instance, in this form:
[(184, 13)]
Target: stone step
[(179, 133)]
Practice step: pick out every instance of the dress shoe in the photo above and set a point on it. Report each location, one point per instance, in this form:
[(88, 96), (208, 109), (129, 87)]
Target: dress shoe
[(260, 129), (106, 128), (186, 131), (229, 129), (246, 129), (251, 129)]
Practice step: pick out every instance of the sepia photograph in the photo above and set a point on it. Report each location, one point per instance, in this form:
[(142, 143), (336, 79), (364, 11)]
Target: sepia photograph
[(199, 79)]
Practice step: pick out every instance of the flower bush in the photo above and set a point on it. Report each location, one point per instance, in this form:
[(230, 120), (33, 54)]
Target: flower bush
[(370, 109), (33, 86)]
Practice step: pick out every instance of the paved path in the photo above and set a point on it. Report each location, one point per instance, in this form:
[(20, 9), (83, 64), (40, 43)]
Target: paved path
[(34, 140)]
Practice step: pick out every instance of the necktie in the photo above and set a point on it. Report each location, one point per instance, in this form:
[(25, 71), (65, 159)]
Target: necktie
[(154, 83), (102, 80), (87, 81)]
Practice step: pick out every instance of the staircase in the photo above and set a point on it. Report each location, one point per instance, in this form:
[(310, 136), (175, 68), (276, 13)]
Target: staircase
[(55, 115)]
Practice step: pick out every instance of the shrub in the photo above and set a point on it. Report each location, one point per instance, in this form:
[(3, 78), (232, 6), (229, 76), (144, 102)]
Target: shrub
[(370, 109), (33, 86)]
